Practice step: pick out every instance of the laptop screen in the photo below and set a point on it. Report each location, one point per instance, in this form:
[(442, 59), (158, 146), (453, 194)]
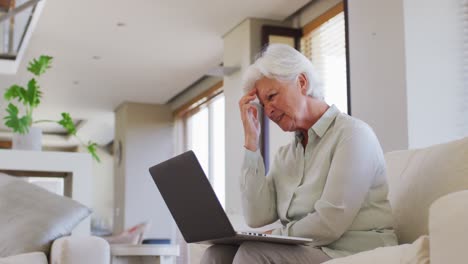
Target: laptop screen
[(191, 199)]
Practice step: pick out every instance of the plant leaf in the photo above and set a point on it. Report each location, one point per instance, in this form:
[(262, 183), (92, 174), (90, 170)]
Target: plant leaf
[(67, 123), (39, 66), (92, 150), (33, 94), (15, 92), (19, 125)]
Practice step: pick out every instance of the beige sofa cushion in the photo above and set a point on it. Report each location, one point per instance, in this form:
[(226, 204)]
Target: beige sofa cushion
[(448, 219), (419, 177), (416, 253), (29, 258), (81, 250)]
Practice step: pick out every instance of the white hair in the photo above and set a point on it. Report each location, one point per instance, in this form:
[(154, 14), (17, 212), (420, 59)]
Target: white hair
[(283, 63)]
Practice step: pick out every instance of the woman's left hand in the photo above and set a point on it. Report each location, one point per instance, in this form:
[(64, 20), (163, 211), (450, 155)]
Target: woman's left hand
[(268, 232)]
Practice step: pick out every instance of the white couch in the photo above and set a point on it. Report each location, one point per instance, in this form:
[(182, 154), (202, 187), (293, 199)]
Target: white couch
[(80, 249), (428, 191), (67, 250)]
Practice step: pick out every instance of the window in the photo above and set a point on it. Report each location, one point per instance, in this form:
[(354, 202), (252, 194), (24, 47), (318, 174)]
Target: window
[(324, 43), (203, 132)]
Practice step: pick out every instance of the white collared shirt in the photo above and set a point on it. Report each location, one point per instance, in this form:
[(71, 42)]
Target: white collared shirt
[(334, 191)]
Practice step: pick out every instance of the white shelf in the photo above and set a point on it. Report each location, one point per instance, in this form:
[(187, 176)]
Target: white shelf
[(144, 250), (144, 254)]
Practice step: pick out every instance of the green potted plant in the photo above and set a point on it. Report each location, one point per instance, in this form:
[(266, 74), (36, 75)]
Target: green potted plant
[(30, 98)]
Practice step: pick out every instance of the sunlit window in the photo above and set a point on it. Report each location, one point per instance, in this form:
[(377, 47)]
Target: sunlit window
[(217, 148), (198, 137), (324, 44), (204, 134)]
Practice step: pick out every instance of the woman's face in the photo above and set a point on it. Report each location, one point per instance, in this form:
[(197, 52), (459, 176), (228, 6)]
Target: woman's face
[(283, 102)]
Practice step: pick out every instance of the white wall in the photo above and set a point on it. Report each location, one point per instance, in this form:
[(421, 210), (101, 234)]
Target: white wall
[(103, 190), (146, 135), (433, 41), (119, 170), (377, 69), (406, 70)]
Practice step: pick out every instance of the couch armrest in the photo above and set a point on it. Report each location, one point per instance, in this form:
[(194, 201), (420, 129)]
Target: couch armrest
[(448, 229), (80, 249)]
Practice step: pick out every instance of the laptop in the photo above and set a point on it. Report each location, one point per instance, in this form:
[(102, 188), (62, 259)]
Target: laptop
[(195, 208)]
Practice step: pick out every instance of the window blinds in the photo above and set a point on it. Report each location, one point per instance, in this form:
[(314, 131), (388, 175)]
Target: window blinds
[(325, 46)]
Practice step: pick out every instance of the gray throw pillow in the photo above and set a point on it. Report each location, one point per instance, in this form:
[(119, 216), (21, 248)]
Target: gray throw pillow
[(5, 178), (31, 218)]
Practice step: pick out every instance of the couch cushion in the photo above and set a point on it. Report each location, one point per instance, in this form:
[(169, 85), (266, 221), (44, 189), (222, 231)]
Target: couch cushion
[(31, 217), (416, 253), (419, 177), (448, 218), (80, 250), (29, 258)]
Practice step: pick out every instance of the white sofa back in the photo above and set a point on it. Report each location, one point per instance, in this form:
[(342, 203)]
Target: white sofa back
[(418, 177), (447, 227)]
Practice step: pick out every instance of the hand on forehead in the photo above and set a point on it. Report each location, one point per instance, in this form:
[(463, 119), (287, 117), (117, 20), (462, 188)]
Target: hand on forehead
[(254, 92)]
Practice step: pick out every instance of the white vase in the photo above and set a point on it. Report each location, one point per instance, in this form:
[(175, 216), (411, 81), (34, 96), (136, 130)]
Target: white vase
[(29, 141)]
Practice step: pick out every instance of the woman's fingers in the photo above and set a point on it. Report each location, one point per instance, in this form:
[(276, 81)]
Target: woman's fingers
[(253, 111), (249, 116), (248, 110), (246, 99), (250, 96), (252, 91), (253, 119)]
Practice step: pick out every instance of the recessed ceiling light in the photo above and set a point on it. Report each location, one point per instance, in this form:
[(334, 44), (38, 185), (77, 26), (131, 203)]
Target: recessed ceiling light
[(96, 57), (121, 24)]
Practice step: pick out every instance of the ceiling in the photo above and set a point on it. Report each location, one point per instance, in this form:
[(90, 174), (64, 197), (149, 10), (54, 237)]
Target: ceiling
[(107, 52)]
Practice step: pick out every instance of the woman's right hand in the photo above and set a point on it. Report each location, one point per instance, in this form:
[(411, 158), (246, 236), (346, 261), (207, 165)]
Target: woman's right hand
[(249, 116)]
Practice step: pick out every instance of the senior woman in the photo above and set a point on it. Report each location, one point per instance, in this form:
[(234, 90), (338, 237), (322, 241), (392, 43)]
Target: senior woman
[(327, 184)]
